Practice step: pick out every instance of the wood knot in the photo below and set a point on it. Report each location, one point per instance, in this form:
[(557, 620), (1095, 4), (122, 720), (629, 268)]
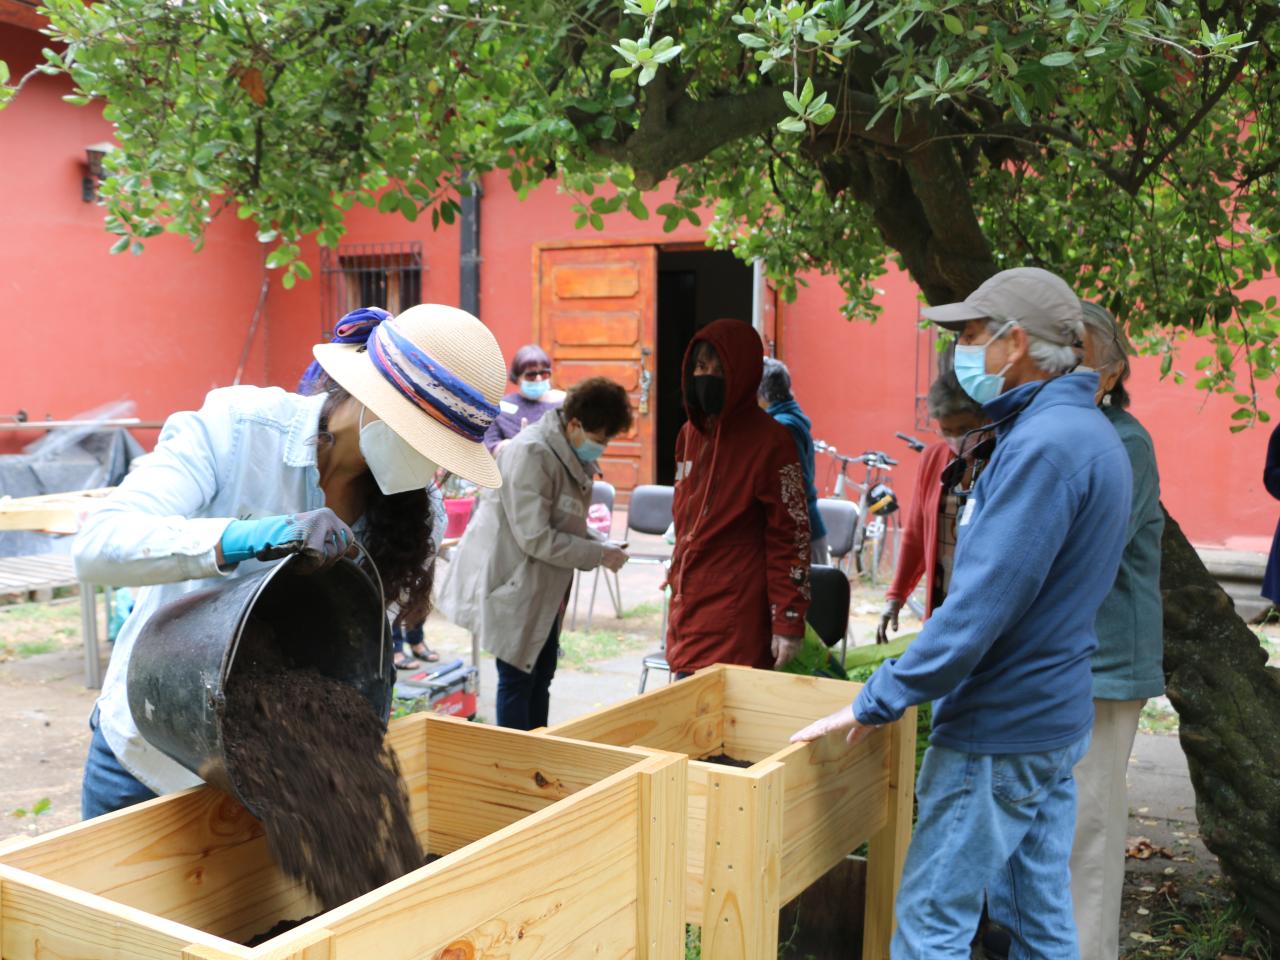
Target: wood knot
[(540, 780), (458, 950)]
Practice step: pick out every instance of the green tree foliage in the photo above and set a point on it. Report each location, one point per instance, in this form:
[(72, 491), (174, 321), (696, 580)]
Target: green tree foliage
[(1126, 143)]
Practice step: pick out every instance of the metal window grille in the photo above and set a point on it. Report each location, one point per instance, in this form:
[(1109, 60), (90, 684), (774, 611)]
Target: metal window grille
[(387, 275)]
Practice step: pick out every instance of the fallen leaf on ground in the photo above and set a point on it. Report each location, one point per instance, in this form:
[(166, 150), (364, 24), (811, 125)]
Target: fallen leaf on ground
[(1141, 848), (1142, 937)]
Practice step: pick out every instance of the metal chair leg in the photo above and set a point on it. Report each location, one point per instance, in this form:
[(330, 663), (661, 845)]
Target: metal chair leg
[(644, 677), (591, 607), (615, 592), (573, 618)]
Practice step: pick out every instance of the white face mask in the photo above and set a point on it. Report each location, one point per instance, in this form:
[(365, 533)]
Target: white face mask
[(395, 465)]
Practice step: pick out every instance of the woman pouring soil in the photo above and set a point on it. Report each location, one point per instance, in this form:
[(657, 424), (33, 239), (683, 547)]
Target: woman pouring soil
[(260, 473)]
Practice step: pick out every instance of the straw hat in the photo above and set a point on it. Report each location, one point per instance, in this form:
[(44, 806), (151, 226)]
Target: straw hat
[(435, 374)]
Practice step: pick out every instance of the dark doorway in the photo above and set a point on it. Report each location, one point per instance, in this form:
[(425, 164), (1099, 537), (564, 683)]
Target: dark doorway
[(694, 288)]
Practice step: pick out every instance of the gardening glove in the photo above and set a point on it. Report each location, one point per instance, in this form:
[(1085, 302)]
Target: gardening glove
[(785, 650), (889, 617), (318, 537)]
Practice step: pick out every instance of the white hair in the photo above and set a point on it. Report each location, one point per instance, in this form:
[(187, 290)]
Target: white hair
[(1051, 358)]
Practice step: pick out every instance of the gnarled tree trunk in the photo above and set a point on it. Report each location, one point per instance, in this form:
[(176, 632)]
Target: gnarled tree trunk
[(1228, 701)]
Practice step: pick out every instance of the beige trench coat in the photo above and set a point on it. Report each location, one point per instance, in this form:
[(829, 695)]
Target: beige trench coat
[(516, 559)]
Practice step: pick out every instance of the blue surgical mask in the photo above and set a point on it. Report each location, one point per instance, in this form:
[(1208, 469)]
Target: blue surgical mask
[(971, 369), (589, 451), (534, 389)]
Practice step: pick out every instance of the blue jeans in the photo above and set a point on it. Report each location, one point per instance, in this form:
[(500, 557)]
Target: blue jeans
[(107, 785), (524, 699), (1002, 825)]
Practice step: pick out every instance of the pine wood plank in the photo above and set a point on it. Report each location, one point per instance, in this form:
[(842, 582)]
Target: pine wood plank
[(888, 850), (43, 920), (743, 864), (663, 819), (684, 717)]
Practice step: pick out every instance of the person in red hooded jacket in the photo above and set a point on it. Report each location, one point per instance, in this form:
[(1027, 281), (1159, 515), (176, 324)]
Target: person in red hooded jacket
[(739, 573)]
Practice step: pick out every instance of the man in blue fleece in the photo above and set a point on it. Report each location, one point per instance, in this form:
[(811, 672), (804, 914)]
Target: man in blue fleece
[(1007, 657)]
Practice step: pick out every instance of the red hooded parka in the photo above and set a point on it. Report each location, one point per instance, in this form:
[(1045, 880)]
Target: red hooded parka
[(740, 569)]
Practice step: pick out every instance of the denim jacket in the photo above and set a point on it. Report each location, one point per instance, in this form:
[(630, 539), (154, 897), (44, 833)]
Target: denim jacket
[(248, 452)]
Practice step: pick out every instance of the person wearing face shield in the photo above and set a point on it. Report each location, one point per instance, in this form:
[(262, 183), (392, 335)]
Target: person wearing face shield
[(1006, 658), (509, 579), (532, 398), (259, 473), (739, 573), (929, 532), (1128, 666)]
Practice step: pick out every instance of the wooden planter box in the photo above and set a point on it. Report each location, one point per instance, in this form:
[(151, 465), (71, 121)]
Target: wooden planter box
[(549, 849), (759, 836)]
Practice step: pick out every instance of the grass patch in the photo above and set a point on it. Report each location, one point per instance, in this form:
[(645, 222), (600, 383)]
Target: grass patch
[(30, 648), (650, 608), (1209, 930), (580, 649), (1158, 717)]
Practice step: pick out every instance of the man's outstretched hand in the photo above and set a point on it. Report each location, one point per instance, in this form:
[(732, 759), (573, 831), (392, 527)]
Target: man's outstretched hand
[(839, 721)]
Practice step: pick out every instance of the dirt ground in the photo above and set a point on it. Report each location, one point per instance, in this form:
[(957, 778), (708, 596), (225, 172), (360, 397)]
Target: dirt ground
[(44, 735)]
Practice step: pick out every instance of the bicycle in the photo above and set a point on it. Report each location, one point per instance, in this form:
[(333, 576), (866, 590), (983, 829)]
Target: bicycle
[(876, 531), (882, 533)]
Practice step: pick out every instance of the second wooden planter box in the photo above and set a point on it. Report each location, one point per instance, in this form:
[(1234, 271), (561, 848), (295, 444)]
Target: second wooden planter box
[(759, 836), (548, 849)]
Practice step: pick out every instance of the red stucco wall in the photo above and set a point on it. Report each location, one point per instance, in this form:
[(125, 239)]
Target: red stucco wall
[(82, 327)]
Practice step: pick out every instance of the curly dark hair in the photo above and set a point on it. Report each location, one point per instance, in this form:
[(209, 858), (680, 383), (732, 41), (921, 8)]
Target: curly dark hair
[(599, 404), (397, 530)]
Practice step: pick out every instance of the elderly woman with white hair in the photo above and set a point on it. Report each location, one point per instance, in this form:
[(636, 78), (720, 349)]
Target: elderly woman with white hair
[(1128, 665)]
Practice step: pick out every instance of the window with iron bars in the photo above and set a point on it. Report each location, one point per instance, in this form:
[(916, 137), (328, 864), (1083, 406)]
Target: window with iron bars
[(386, 275)]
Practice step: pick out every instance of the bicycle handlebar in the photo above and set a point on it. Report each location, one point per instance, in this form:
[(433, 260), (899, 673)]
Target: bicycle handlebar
[(872, 458), (910, 441)]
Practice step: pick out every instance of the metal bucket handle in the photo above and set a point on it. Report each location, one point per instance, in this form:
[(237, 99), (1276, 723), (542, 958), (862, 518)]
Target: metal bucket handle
[(382, 607)]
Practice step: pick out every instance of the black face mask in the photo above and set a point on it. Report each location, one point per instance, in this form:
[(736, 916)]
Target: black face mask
[(709, 392)]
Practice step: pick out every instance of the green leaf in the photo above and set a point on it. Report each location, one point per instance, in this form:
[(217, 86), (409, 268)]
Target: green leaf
[(636, 205), (824, 114), (120, 246), (648, 73), (792, 102), (806, 93), (617, 73), (791, 125), (1204, 362), (1062, 58), (953, 24), (1242, 414), (752, 41), (41, 806), (288, 280)]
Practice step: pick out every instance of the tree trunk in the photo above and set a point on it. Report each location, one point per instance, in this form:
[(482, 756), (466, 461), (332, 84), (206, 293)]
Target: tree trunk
[(1228, 701)]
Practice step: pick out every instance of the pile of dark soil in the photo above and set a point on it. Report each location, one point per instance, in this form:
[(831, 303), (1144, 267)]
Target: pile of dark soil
[(727, 761), (306, 754)]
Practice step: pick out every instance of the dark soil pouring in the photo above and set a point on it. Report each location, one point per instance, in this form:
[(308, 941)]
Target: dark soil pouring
[(306, 752)]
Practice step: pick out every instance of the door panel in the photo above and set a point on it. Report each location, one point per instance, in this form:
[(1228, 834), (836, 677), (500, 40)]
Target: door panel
[(596, 317)]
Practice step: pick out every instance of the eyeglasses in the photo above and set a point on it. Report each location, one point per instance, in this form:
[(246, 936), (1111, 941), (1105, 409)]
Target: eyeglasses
[(535, 375)]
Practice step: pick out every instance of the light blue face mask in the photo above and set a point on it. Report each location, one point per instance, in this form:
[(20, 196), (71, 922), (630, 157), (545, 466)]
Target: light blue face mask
[(971, 369), (534, 389), (589, 451)]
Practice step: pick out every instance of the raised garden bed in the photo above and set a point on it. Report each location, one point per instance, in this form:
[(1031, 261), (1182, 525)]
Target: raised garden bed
[(758, 836), (546, 848)]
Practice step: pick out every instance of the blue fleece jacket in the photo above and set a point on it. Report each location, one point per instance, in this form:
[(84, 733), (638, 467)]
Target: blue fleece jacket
[(1006, 657), (789, 414)]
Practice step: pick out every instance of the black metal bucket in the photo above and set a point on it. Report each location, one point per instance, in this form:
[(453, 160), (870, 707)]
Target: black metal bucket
[(335, 621)]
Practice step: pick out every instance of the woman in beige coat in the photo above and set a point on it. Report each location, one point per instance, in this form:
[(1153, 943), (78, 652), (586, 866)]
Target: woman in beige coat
[(511, 574)]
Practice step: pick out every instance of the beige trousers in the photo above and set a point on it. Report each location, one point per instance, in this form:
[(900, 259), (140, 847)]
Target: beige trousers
[(1102, 823)]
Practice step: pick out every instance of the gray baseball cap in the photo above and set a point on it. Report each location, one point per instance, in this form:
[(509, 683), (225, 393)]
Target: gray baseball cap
[(1040, 302)]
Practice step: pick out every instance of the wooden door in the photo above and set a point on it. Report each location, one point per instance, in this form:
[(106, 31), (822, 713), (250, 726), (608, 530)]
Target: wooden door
[(596, 316), (769, 318)]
